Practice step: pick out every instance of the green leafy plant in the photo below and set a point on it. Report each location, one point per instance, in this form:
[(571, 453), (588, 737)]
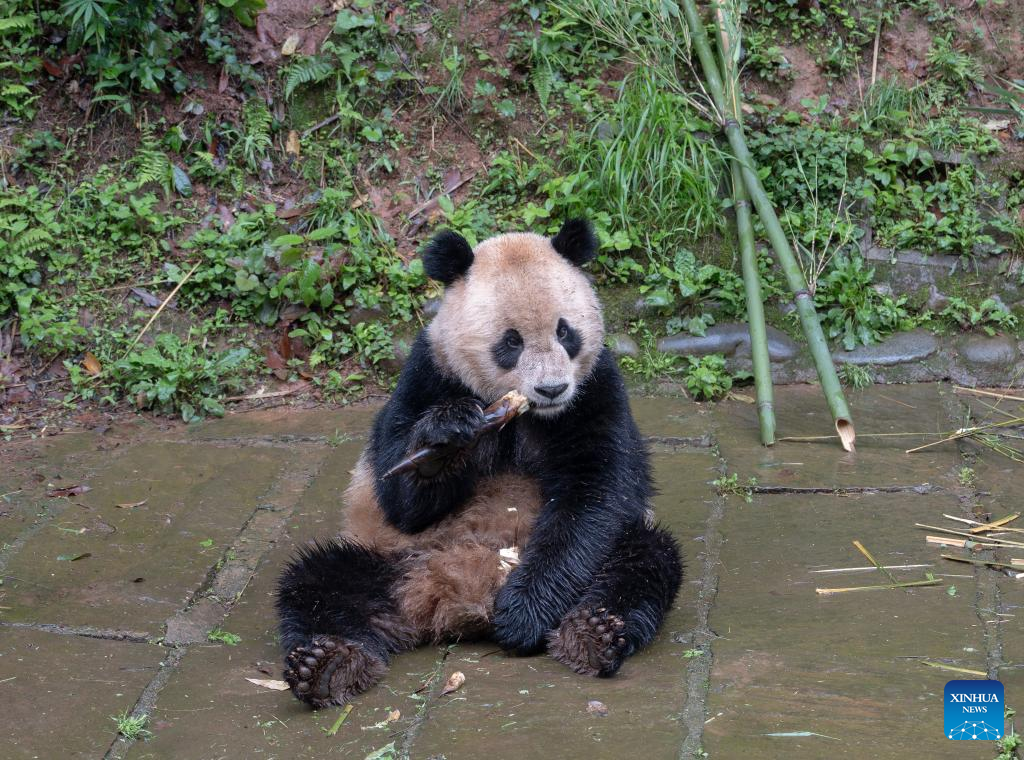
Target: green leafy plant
[(730, 485), (174, 376), (132, 727), (989, 315), (707, 378), (855, 376), (224, 637), (853, 310), (957, 68)]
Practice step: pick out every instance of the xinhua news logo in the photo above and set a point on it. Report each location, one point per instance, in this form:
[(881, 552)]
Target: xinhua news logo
[(974, 710)]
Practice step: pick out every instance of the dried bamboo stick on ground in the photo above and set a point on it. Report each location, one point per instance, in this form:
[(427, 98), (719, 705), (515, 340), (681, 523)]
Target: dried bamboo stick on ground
[(909, 584)]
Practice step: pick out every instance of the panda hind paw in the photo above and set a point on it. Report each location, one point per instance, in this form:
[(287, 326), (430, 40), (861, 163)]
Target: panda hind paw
[(590, 641), (330, 671)]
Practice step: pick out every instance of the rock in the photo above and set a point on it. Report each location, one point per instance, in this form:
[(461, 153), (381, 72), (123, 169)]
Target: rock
[(719, 339), (622, 345), (937, 301), (728, 338), (999, 350), (901, 348)]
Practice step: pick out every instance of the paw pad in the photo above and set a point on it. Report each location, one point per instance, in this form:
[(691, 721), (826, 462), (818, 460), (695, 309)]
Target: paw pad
[(590, 641), (330, 672)]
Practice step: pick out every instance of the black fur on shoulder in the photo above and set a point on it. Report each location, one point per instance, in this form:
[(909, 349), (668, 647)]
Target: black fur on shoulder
[(576, 241), (447, 257)]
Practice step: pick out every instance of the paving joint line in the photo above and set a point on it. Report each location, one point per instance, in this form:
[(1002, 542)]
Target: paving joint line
[(432, 687), (88, 632), (227, 577), (987, 599), (698, 669), (922, 488)]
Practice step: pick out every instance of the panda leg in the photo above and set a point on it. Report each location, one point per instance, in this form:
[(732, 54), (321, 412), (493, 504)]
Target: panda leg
[(339, 621), (625, 605)]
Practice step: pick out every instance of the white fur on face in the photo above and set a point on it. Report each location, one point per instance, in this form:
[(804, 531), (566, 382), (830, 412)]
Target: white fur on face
[(518, 281)]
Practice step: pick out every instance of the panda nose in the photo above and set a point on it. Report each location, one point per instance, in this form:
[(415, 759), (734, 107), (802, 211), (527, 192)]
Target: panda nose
[(551, 391)]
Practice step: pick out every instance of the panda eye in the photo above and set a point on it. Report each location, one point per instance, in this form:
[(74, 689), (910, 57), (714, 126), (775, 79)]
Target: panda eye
[(513, 339), (563, 330)]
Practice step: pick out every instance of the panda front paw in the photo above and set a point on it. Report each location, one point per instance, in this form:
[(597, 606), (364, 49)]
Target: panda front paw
[(453, 424), (518, 626)]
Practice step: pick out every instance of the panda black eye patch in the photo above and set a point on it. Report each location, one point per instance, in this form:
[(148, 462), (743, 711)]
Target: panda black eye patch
[(569, 338), (507, 349)]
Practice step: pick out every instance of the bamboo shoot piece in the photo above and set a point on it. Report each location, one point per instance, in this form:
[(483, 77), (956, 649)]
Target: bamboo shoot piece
[(429, 459)]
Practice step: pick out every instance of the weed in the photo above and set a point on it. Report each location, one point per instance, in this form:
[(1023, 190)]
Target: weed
[(224, 637), (650, 363), (853, 310), (954, 66), (174, 376), (690, 654), (707, 378), (729, 485), (452, 95), (967, 477), (648, 163), (990, 315), (132, 727), (855, 376)]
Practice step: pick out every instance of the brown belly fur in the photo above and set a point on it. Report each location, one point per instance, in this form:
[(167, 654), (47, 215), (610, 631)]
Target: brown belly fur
[(452, 569)]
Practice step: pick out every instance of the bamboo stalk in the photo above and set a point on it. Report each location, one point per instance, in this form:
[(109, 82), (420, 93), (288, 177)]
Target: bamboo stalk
[(755, 310), (730, 119), (943, 666), (972, 536)]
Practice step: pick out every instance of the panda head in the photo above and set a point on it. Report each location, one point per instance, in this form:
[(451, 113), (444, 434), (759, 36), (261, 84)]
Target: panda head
[(518, 313)]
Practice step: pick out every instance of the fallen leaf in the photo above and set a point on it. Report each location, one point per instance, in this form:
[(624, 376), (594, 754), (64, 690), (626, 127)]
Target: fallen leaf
[(454, 682), (597, 708), (73, 557), (57, 493), (452, 179), (284, 346), (291, 145), (131, 504), (224, 80), (53, 69), (91, 364), (291, 44), (291, 213), (393, 716), (146, 297), (269, 683)]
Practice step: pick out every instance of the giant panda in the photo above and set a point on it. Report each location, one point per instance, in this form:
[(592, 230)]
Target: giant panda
[(568, 484)]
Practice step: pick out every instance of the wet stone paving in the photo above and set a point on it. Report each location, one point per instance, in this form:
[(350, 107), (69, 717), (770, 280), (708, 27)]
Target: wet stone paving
[(109, 597)]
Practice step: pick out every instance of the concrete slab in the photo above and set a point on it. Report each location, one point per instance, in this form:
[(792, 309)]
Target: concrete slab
[(524, 705), (801, 411), (845, 666), (287, 423), (208, 709), (59, 693), (138, 565)]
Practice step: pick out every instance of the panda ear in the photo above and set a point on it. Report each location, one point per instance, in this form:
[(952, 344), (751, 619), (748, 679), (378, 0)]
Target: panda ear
[(576, 241), (447, 257)]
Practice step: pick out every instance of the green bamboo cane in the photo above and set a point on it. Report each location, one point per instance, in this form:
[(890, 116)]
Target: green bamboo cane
[(755, 309), (729, 115)]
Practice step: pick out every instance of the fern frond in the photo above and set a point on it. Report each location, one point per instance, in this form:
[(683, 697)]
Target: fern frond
[(31, 241), (307, 69), (151, 162), (542, 80)]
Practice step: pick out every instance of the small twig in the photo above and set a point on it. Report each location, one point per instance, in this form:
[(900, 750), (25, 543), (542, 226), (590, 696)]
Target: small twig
[(942, 665), (980, 392), (874, 55), (994, 524), (870, 567), (160, 308), (972, 536), (433, 201), (861, 548), (989, 562), (909, 584), (276, 394), (320, 125)]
